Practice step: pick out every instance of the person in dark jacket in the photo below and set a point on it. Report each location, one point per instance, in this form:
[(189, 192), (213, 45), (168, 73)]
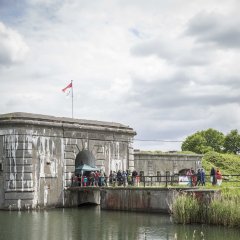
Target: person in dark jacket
[(199, 177), (213, 176), (202, 177)]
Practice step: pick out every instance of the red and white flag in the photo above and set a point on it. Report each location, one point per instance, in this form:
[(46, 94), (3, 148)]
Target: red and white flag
[(67, 89)]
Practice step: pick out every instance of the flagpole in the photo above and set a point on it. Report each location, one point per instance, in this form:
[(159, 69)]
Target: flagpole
[(72, 97)]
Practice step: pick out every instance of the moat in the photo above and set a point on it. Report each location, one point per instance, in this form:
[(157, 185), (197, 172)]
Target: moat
[(94, 223)]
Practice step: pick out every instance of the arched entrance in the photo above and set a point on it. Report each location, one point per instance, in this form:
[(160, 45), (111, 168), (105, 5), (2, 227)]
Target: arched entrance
[(85, 157)]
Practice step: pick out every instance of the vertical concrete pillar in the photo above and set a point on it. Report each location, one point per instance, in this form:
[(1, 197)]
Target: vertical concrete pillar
[(130, 155)]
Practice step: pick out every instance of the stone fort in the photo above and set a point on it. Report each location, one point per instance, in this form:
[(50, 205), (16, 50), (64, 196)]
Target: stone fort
[(39, 154)]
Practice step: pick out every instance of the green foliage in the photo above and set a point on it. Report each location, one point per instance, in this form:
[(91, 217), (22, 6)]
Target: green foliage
[(214, 139), (204, 141), (185, 209), (232, 142), (225, 210), (194, 143), (221, 211), (228, 163)]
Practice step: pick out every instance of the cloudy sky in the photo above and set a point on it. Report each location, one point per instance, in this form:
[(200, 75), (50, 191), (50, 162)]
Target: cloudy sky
[(165, 68)]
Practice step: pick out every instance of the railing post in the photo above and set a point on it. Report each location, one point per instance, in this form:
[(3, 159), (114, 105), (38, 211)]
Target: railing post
[(166, 178)]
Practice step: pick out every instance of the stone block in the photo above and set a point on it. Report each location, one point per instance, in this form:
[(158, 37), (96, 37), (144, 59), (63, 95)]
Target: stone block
[(18, 176), (19, 168), (68, 175), (75, 134), (131, 163), (100, 162), (70, 162), (70, 155), (18, 153), (70, 168), (20, 161), (19, 195), (19, 185)]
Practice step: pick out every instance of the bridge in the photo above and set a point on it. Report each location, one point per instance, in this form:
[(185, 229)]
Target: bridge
[(148, 199)]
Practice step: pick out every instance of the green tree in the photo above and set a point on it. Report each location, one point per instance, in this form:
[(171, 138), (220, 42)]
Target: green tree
[(232, 142), (204, 141), (194, 143), (214, 139)]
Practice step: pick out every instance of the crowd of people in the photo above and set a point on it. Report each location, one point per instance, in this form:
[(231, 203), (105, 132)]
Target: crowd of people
[(99, 178), (125, 178), (199, 178), (93, 178)]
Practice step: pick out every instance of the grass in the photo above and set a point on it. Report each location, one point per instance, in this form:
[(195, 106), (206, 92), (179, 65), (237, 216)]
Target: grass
[(228, 163), (185, 209), (224, 210)]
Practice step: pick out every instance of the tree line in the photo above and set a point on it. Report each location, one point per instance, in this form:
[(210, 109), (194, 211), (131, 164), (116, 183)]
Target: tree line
[(212, 140)]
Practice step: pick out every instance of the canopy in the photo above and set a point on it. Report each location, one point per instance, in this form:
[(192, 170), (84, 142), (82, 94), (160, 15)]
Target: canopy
[(86, 168)]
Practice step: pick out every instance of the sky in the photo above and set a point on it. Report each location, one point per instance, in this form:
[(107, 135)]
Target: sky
[(165, 68)]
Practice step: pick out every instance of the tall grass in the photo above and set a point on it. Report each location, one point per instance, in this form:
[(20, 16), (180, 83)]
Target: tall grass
[(185, 209), (222, 211), (226, 210)]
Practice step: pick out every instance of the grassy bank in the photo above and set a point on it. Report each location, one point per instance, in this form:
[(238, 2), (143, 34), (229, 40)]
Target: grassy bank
[(223, 211), (228, 163)]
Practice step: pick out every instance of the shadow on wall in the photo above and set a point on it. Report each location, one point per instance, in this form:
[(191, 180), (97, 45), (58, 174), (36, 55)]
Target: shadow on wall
[(85, 157)]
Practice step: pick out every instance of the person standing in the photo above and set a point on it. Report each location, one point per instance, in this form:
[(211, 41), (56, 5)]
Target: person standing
[(110, 178), (213, 176), (124, 178), (190, 177), (202, 177), (134, 175), (199, 177), (219, 177)]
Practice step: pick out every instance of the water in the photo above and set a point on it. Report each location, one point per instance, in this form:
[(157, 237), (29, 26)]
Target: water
[(91, 223)]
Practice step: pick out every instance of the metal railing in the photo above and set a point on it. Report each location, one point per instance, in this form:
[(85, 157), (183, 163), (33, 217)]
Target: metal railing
[(159, 180)]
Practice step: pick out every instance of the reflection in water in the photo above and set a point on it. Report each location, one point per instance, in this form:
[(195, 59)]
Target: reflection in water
[(92, 223)]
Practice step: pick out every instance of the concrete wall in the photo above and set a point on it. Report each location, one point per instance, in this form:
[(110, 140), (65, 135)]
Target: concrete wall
[(78, 196), (135, 199), (151, 162), (38, 154), (140, 199)]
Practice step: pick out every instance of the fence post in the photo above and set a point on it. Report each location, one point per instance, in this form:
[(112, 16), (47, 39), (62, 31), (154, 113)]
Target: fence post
[(166, 178), (144, 181)]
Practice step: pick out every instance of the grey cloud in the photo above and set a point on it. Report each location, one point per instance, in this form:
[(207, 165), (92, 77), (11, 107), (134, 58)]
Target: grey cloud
[(174, 52), (172, 94), (12, 47), (219, 29)]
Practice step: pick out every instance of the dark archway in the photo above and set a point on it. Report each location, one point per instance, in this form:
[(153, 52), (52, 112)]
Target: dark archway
[(85, 157), (183, 172)]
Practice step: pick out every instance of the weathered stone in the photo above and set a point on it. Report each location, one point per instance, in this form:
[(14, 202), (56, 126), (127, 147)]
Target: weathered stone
[(19, 160), (18, 176), (152, 162), (70, 162), (70, 155), (20, 185), (19, 168), (70, 168), (18, 195)]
